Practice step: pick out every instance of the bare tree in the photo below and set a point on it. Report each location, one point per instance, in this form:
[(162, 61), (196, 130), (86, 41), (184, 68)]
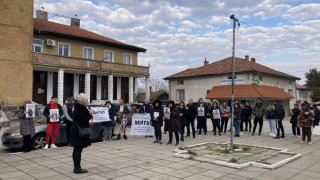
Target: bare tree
[(156, 84)]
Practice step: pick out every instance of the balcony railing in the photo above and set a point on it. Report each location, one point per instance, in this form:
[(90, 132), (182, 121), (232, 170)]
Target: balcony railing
[(46, 60)]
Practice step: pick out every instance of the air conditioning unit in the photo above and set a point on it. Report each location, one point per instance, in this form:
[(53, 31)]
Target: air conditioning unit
[(51, 42)]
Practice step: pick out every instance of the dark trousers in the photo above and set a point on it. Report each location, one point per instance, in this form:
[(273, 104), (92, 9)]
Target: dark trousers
[(76, 156), (190, 121), (68, 130), (247, 121), (26, 143), (256, 121), (176, 134), (279, 126), (202, 124), (224, 122), (216, 125), (316, 122), (295, 129), (306, 131), (157, 131)]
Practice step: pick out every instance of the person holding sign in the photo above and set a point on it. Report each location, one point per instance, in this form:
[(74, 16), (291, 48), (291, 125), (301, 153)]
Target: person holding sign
[(68, 113), (191, 114), (215, 116), (183, 118), (107, 125), (27, 129), (225, 111), (53, 112), (156, 120), (173, 122), (202, 118)]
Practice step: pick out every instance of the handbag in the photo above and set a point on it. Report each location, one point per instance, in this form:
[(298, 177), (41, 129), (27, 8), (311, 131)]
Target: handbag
[(84, 132)]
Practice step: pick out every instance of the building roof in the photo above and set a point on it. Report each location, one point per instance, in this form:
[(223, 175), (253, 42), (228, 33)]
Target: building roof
[(248, 91), (49, 27), (224, 66), (301, 87)]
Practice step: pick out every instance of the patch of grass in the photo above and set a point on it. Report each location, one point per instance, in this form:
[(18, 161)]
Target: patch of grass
[(223, 151), (246, 148), (191, 157), (233, 160), (181, 148), (235, 146), (192, 152), (265, 162)]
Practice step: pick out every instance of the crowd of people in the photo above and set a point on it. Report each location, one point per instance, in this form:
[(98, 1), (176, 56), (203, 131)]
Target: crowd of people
[(175, 120)]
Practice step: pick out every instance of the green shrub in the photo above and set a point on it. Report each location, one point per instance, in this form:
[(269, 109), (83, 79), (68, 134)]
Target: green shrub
[(191, 157), (235, 146), (192, 152), (246, 148), (223, 151), (233, 160)]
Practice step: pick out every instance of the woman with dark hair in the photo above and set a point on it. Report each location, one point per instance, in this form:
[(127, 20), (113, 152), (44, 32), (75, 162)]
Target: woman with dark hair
[(156, 120), (183, 118), (237, 119), (173, 122)]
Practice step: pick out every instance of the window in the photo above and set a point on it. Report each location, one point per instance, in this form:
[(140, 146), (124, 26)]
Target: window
[(64, 49), (180, 95), (208, 91), (260, 78), (127, 58), (37, 45), (108, 56), (180, 82), (88, 53), (230, 76)]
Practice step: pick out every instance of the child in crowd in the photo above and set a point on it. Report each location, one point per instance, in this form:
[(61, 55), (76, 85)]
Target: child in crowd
[(123, 127)]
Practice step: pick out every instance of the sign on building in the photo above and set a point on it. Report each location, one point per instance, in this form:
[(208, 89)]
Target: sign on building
[(227, 82)]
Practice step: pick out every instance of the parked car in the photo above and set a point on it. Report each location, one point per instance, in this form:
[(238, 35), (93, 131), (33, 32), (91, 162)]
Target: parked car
[(12, 138)]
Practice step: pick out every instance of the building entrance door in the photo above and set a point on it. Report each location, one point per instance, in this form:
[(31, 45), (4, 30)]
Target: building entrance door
[(39, 94), (68, 85)]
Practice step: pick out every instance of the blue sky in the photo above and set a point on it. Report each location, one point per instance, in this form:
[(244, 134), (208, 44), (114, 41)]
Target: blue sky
[(181, 34)]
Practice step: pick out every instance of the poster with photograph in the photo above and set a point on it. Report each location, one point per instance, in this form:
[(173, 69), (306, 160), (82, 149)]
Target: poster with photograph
[(216, 114), (166, 112), (156, 114), (200, 111), (30, 108), (54, 115), (100, 114)]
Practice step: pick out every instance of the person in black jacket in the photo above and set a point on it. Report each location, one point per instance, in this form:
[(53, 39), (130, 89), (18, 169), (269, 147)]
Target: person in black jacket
[(294, 120), (145, 109), (52, 127), (237, 119), (279, 114), (191, 115), (247, 116), (157, 120), (316, 115), (183, 118), (202, 120), (81, 116), (215, 117), (68, 114)]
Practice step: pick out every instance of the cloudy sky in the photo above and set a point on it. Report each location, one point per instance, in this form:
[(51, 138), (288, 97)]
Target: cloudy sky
[(179, 34)]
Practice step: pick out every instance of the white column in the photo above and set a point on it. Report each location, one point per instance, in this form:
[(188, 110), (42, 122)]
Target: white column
[(60, 86), (99, 89), (110, 88), (119, 88), (148, 88), (87, 85), (75, 85), (135, 89), (49, 86), (130, 90)]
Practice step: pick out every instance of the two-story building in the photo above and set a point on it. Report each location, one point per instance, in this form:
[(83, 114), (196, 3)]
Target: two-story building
[(67, 60), (213, 81)]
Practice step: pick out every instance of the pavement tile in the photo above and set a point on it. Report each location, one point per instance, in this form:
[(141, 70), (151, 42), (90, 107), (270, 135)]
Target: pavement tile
[(198, 177), (146, 174), (127, 177), (11, 174), (24, 177), (163, 177), (44, 174), (213, 174), (180, 174)]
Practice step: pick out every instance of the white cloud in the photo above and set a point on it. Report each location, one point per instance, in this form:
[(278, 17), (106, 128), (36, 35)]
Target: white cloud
[(303, 12)]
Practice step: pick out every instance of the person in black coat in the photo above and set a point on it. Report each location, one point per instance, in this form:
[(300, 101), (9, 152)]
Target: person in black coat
[(215, 120), (173, 122), (202, 120), (294, 120), (279, 114), (191, 115), (82, 116), (247, 111), (145, 109), (183, 118), (316, 115), (157, 120)]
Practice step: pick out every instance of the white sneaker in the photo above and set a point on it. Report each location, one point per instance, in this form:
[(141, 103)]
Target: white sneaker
[(104, 141), (53, 146), (241, 133), (110, 140), (298, 136), (46, 147)]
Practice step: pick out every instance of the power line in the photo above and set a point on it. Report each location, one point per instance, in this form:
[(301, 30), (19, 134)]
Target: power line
[(284, 41)]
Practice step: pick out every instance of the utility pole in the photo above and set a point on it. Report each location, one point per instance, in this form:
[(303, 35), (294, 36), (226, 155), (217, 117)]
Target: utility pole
[(233, 75)]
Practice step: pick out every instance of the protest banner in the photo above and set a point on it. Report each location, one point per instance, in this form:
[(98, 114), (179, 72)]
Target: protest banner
[(30, 108), (100, 114), (141, 125)]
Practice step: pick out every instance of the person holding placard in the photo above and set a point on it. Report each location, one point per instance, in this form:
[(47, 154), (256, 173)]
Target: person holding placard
[(191, 115), (27, 128), (53, 112), (157, 120), (107, 125), (173, 122), (183, 118), (202, 116), (215, 117), (225, 113)]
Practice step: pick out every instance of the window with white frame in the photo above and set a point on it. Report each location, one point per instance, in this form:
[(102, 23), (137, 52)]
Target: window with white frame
[(180, 82), (127, 58), (64, 49), (180, 95), (88, 53), (108, 56), (37, 45)]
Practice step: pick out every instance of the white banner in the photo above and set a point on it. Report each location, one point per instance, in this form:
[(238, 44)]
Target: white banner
[(100, 114), (141, 125), (226, 82)]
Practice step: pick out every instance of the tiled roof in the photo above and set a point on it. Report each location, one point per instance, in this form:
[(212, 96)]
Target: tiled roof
[(248, 91), (49, 27), (224, 66), (298, 86)]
